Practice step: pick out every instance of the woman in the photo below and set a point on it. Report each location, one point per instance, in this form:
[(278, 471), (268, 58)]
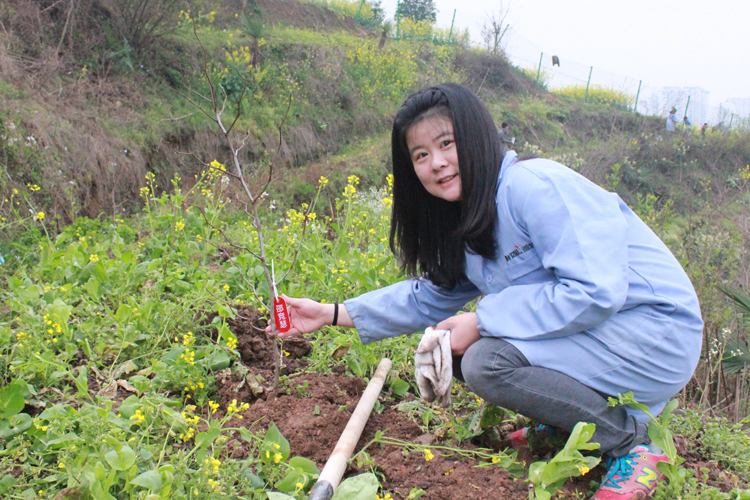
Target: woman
[(582, 301)]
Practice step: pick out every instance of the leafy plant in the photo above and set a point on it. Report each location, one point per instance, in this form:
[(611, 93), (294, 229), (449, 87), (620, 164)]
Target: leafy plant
[(660, 434), (548, 477)]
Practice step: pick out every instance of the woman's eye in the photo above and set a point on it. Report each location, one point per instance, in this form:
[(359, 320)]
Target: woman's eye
[(447, 142), (420, 155)]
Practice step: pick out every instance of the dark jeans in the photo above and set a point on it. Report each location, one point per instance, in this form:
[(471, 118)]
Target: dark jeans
[(499, 373)]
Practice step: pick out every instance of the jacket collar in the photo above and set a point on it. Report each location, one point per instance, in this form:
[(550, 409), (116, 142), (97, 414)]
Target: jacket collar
[(508, 160)]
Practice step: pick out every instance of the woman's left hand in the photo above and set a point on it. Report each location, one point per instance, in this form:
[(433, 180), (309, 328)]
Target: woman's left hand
[(464, 331)]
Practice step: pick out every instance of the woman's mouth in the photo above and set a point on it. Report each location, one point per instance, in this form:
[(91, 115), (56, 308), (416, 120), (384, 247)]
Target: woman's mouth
[(447, 179)]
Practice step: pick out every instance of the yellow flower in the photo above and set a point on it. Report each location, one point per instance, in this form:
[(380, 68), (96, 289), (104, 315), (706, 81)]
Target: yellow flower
[(277, 457), (583, 470), (39, 216), (322, 181), (232, 344), (428, 455), (298, 485), (226, 288)]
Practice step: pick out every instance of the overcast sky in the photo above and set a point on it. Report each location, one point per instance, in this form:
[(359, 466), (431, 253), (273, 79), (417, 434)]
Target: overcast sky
[(690, 43)]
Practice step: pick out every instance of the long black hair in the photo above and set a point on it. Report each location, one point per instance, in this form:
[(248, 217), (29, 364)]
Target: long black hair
[(429, 234)]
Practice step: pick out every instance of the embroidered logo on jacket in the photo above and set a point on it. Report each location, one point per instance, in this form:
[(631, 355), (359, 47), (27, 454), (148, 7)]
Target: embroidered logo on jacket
[(518, 251)]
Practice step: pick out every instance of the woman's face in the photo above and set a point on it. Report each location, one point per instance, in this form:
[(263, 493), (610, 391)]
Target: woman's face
[(432, 150)]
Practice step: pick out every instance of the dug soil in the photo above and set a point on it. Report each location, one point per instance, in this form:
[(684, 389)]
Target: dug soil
[(312, 409)]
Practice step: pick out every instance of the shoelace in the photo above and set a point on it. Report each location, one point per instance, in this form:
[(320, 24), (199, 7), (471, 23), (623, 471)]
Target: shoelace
[(621, 466), (542, 427)]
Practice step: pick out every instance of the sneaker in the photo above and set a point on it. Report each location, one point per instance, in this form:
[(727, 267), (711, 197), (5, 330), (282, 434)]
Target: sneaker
[(520, 438), (632, 476)]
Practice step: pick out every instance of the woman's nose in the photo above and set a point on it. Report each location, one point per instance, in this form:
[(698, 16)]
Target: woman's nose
[(438, 161)]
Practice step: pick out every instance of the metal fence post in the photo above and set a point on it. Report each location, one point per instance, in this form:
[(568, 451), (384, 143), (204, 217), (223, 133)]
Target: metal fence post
[(539, 70), (398, 19), (454, 20), (635, 108), (360, 10), (686, 108), (586, 97)]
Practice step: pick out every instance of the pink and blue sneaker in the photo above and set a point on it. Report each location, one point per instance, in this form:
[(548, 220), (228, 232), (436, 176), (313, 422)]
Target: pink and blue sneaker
[(632, 476)]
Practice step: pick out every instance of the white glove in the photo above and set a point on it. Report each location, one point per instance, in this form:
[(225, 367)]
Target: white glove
[(434, 366), (513, 141)]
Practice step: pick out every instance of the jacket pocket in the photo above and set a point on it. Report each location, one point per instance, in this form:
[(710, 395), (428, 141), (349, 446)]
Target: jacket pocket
[(633, 332), (523, 265)]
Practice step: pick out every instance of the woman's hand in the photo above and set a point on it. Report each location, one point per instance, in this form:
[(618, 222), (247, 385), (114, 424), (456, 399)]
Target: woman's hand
[(464, 331), (306, 316)]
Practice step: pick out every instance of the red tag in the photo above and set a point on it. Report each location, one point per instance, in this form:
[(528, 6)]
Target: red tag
[(281, 315)]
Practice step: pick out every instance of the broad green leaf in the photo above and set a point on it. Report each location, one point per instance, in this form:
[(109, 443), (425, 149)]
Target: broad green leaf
[(92, 287), (17, 425), (361, 487), (217, 360), (12, 398), (272, 495), (274, 440), (6, 483), (127, 257), (28, 293), (542, 495), (255, 481), (123, 313), (246, 435), (288, 484), (100, 272), (205, 439), (98, 492), (122, 460), (357, 367), (224, 311), (667, 412), (154, 264), (400, 387), (305, 465), (82, 381), (149, 479)]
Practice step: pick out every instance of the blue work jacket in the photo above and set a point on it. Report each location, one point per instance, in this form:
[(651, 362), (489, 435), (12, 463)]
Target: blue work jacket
[(572, 260)]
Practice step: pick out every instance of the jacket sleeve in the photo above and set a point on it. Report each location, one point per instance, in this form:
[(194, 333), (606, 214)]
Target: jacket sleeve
[(406, 307), (580, 236)]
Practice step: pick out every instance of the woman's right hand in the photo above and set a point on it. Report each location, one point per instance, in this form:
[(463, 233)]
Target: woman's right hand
[(305, 316)]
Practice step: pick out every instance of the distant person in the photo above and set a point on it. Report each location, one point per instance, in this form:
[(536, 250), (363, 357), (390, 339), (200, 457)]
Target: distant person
[(672, 120), (686, 125), (504, 137), (703, 129)]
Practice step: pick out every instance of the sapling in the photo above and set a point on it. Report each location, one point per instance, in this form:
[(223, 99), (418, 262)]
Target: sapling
[(659, 433), (236, 142)]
